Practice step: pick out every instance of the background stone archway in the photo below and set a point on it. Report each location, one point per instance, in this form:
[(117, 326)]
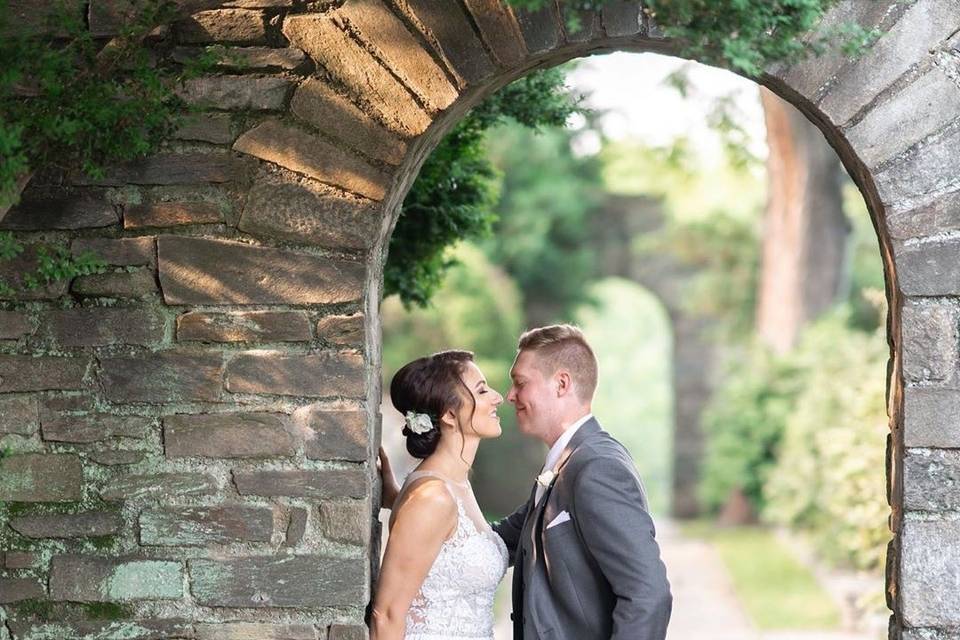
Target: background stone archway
[(226, 372)]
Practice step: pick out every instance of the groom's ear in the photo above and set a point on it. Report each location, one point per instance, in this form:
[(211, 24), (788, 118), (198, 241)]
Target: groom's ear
[(564, 382)]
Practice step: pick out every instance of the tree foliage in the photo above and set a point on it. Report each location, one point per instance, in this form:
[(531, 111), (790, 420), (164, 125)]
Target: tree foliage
[(542, 233), (454, 195), (58, 96)]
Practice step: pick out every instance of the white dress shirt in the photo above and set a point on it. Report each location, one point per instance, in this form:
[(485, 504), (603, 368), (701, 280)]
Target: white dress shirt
[(553, 456)]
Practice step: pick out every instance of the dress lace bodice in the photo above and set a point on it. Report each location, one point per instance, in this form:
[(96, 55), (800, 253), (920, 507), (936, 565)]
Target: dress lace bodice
[(456, 598)]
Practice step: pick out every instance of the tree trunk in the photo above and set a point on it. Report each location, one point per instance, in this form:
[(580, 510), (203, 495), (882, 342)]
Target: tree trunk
[(805, 231)]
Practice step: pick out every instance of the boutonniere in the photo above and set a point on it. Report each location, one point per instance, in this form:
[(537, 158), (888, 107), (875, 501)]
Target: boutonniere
[(546, 478)]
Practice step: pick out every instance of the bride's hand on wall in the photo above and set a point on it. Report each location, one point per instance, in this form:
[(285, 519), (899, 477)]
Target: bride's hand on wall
[(389, 481)]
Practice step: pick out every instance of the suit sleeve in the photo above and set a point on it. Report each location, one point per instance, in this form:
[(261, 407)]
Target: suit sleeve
[(509, 529), (618, 533)]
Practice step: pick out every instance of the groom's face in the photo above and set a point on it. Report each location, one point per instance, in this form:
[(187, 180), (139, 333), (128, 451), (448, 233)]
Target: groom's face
[(533, 394)]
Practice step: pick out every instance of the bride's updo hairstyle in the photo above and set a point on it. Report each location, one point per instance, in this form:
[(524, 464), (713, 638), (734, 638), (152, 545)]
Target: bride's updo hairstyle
[(431, 385)]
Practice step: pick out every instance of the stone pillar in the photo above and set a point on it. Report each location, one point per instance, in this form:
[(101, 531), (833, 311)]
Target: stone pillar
[(189, 431)]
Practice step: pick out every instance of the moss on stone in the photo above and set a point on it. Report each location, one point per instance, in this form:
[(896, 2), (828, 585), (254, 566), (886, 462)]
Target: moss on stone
[(102, 543), (107, 611), (33, 608)]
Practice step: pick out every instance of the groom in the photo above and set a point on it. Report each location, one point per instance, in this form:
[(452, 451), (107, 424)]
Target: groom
[(586, 564)]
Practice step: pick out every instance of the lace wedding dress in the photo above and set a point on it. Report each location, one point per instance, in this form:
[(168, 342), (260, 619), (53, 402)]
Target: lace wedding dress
[(456, 598)]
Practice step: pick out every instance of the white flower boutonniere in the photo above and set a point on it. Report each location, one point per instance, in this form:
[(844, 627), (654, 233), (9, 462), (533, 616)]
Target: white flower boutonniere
[(418, 422), (546, 478)]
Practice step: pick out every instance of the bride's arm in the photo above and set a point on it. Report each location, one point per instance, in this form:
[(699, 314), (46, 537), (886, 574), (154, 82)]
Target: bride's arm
[(427, 517), (509, 529)]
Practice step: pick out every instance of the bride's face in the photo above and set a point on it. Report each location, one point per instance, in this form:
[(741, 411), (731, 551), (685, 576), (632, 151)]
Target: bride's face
[(485, 421)]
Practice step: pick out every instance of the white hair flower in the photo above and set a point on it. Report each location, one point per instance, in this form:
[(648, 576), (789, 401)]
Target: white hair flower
[(418, 422)]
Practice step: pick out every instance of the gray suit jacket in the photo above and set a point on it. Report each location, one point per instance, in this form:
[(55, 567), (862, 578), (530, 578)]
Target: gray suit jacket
[(599, 574)]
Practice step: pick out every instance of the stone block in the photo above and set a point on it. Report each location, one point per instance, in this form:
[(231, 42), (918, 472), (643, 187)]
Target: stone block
[(29, 17), (257, 93), (60, 212), (245, 58), (124, 284), (67, 525), (929, 269), (175, 168), (348, 632), (287, 581), (171, 214), (622, 18), (499, 29), (17, 589), (101, 326), (94, 427), (296, 527), (114, 457), (120, 252), (15, 325), (37, 477), (231, 435), (322, 374), (94, 579), (21, 560), (157, 485), (255, 631), (207, 127), (941, 214), (223, 26), (342, 330), (589, 23), (200, 526), (929, 333), (244, 326), (347, 521), (447, 27), (930, 479), (541, 28), (131, 629), (41, 373), (292, 208), (383, 31), (19, 414), (163, 377), (298, 150), (200, 271), (929, 557), (332, 435), (920, 109), (908, 42), (931, 417), (360, 72), (925, 173), (316, 103), (319, 484), (810, 74)]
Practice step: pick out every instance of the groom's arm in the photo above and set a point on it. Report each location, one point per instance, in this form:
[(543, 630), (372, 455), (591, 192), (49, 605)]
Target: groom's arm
[(509, 529), (618, 532)]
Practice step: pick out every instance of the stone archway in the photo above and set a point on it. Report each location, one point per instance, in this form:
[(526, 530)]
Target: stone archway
[(225, 374)]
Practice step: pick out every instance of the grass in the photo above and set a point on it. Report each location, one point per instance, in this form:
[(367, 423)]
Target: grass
[(775, 589)]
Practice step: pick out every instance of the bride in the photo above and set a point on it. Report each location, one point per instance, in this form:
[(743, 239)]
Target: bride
[(443, 562)]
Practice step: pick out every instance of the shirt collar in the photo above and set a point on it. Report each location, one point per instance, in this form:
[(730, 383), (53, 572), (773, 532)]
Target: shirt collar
[(557, 449)]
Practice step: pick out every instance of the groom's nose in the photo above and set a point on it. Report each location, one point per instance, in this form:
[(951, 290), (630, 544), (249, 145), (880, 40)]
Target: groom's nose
[(512, 395)]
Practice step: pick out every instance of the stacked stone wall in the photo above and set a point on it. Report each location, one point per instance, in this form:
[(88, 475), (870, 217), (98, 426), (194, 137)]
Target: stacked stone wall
[(192, 432)]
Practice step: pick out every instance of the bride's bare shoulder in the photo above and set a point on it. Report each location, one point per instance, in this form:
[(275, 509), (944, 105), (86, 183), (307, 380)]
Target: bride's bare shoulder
[(426, 499)]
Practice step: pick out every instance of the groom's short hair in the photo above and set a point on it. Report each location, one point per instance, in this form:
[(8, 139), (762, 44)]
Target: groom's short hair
[(564, 346)]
